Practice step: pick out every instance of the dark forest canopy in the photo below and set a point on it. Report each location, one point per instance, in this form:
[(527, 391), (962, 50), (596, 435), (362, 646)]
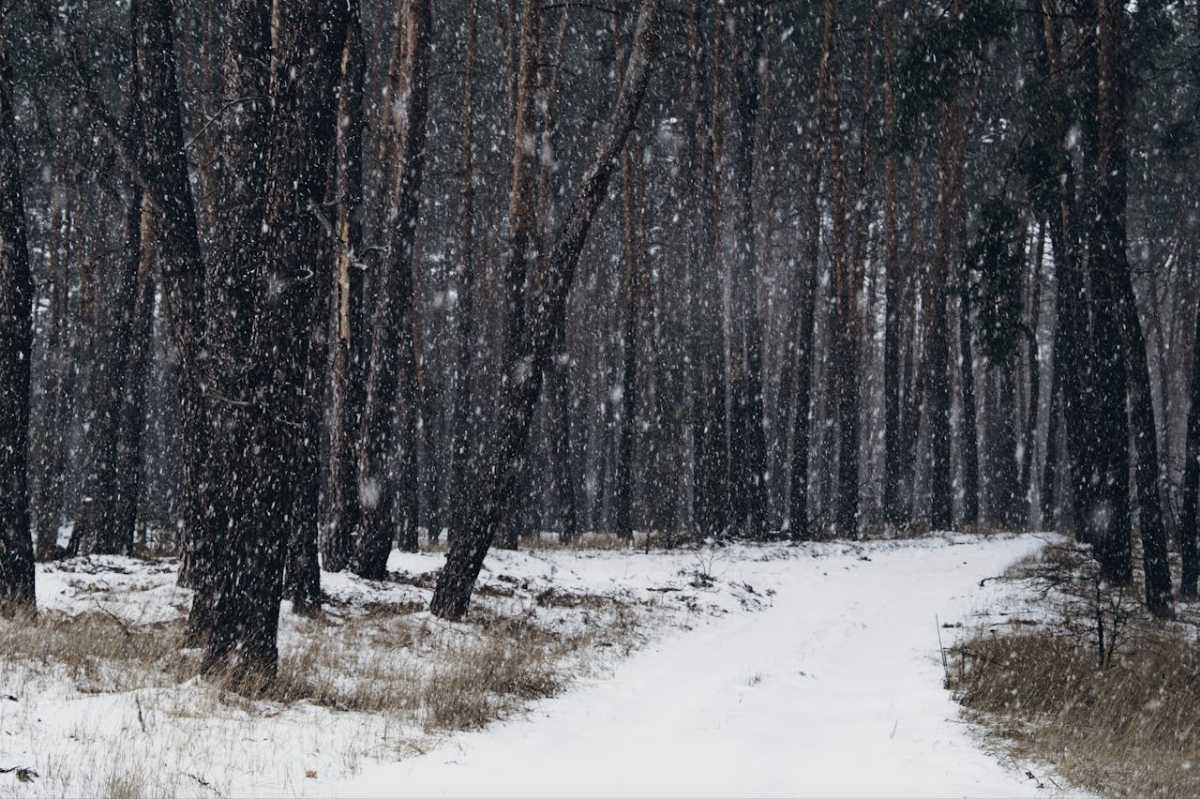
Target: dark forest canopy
[(284, 285)]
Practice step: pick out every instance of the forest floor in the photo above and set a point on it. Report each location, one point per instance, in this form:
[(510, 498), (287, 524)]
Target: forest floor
[(810, 670)]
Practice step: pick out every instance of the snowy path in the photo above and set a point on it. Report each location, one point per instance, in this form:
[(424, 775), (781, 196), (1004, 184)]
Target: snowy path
[(835, 691)]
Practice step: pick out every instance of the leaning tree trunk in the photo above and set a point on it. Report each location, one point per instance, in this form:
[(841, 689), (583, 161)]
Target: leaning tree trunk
[(500, 461), (16, 348)]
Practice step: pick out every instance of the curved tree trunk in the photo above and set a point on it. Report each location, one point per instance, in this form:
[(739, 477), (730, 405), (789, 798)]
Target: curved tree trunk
[(500, 462)]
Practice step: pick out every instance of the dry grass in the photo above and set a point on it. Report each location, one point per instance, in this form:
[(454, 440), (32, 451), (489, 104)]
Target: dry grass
[(99, 652), (1120, 719), (1129, 729), (378, 662)]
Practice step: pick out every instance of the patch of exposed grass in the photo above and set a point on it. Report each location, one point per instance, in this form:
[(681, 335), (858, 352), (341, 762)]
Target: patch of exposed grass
[(1102, 691), (1131, 728), (98, 651)]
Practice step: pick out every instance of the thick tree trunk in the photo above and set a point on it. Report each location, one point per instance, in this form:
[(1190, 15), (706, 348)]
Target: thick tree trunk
[(501, 459), (711, 486), (16, 349), (937, 364), (234, 281), (631, 324), (308, 45), (53, 438)]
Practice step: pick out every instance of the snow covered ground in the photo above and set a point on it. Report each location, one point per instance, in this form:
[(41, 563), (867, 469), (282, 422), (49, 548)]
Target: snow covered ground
[(769, 670)]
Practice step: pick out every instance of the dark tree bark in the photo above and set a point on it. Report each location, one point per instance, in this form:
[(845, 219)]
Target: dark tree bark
[(306, 53), (165, 180), (235, 280), (893, 475), (99, 528), (133, 413), (387, 461), (1112, 98), (462, 425), (970, 430), (937, 365), (1034, 367), (1189, 545), (501, 461), (349, 381), (711, 486), (748, 444), (16, 349), (53, 451), (844, 382), (632, 290), (1074, 353), (799, 528)]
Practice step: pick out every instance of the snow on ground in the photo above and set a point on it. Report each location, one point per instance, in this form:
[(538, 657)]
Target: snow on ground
[(770, 670), (834, 691)]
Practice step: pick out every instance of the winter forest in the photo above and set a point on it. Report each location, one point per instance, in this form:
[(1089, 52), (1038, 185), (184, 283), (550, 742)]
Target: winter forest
[(357, 313)]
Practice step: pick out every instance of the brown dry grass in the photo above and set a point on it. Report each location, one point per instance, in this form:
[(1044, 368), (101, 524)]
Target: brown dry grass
[(380, 662), (1124, 725), (99, 652)]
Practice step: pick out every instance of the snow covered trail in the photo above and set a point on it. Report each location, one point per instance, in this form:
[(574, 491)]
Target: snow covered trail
[(834, 691)]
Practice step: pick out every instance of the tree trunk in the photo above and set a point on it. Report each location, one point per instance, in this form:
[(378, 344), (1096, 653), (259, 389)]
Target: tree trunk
[(168, 187), (349, 383), (501, 459), (16, 350), (1112, 96), (387, 461), (462, 384), (748, 444), (1189, 526), (937, 365), (133, 414), (1029, 437), (711, 475), (306, 52), (970, 429), (104, 484), (893, 475)]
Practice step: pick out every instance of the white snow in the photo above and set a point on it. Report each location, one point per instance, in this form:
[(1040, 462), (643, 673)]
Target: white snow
[(774, 670), (834, 691)]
